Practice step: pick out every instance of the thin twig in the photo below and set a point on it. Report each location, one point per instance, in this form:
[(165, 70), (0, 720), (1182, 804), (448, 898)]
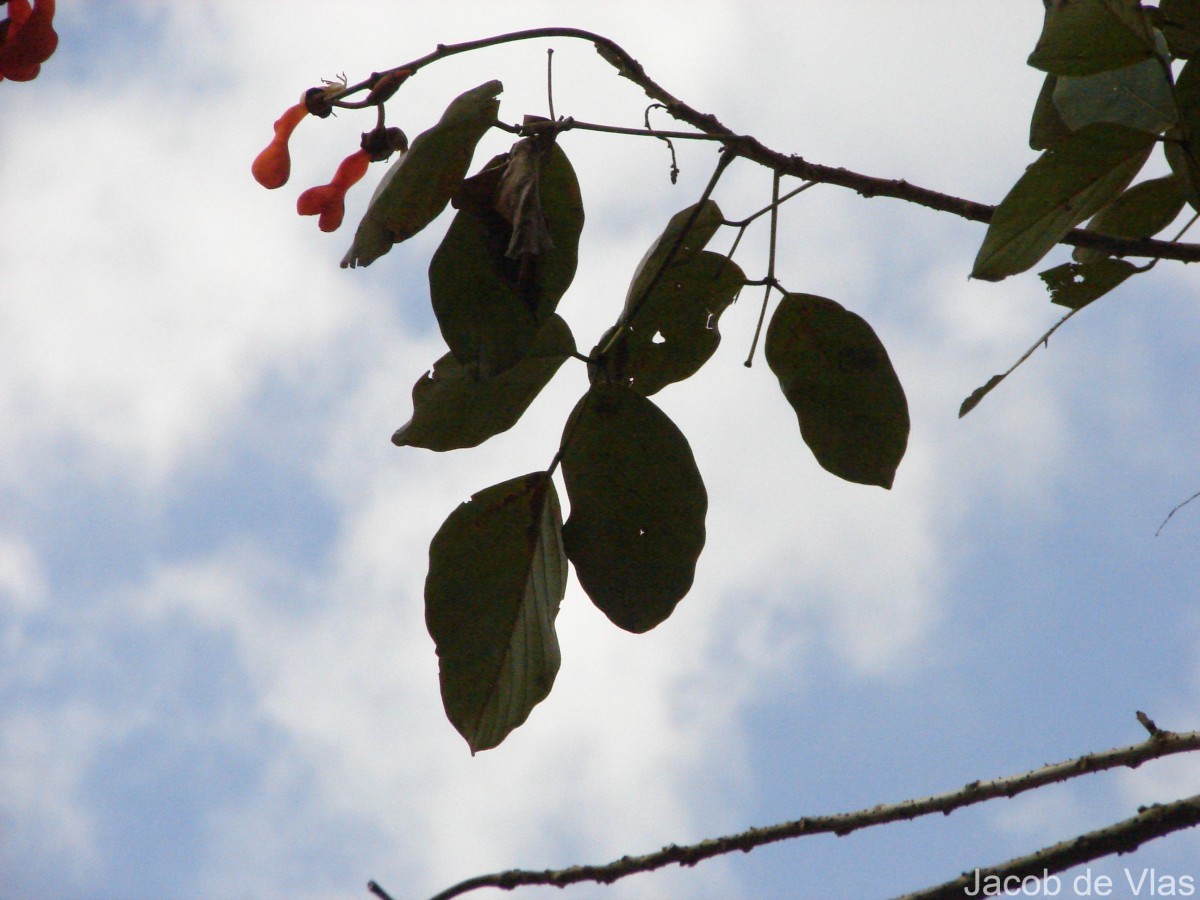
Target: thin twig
[(1175, 510), (762, 315), (1157, 746)]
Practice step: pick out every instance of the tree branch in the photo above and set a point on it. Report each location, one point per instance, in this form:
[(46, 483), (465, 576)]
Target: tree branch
[(1122, 837), (1164, 818), (752, 149)]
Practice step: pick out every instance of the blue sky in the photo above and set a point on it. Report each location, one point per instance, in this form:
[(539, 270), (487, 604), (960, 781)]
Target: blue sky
[(215, 679)]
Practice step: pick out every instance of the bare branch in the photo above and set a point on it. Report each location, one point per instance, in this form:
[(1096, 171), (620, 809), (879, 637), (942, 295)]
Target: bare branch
[(1164, 818), (753, 149), (1125, 836)]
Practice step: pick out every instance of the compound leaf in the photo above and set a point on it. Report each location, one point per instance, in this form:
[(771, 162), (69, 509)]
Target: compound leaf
[(453, 410), (638, 505), (837, 376), (497, 574), (421, 182)]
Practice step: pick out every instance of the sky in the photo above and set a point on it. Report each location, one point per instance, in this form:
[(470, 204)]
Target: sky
[(215, 678)]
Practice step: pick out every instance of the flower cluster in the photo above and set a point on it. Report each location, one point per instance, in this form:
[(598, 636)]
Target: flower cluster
[(273, 166), (27, 38)]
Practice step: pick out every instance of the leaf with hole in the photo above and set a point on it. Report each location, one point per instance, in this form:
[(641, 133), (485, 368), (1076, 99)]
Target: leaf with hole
[(638, 505), (675, 331), (1075, 285), (452, 410), (421, 182), (688, 232), (1067, 184), (489, 306), (837, 376), (497, 574), (1082, 37)]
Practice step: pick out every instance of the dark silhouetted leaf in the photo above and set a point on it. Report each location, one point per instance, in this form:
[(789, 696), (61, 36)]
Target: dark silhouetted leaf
[(421, 182), (836, 374), (1075, 285), (1082, 37), (1067, 184), (497, 573), (979, 393), (1183, 142), (675, 332), (490, 306), (1047, 127), (1137, 96), (1140, 212), (638, 504), (453, 410), (708, 219), (1180, 24)]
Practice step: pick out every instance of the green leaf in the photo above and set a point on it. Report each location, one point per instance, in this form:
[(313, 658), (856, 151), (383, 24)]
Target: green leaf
[(675, 332), (1075, 285), (1137, 96), (1140, 212), (1047, 127), (1082, 37), (419, 185), (1067, 184), (1182, 146), (837, 376), (708, 218), (638, 504), (453, 410), (497, 574), (489, 305), (1180, 24)]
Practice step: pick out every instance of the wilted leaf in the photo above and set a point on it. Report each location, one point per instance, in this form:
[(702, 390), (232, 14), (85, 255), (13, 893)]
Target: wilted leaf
[(1140, 212), (836, 374), (675, 332), (1082, 37), (453, 410), (638, 504), (497, 573), (419, 185), (1047, 126), (1075, 285), (1067, 184), (1137, 96), (518, 199), (1180, 24), (490, 306)]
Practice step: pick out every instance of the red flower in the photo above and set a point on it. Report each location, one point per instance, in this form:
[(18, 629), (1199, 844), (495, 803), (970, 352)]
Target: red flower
[(272, 167), (29, 39), (329, 200)]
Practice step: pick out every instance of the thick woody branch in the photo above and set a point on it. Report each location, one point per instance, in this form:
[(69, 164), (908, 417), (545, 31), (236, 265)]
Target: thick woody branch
[(752, 149), (1160, 744)]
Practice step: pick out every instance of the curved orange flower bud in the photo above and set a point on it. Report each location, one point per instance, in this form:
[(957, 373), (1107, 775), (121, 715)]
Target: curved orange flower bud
[(272, 167), (29, 40), (329, 200)]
